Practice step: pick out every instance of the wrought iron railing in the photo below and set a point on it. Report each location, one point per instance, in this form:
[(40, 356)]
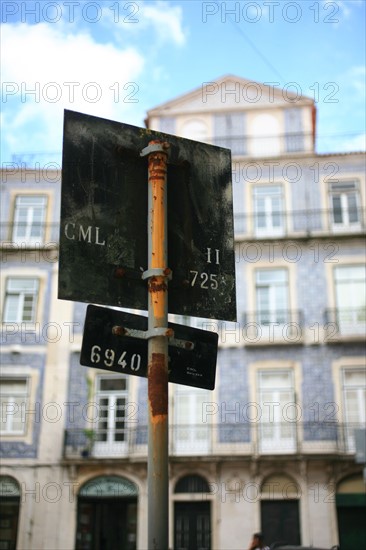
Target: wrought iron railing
[(207, 439), (21, 236), (346, 322), (277, 326), (262, 146), (296, 223), (278, 225)]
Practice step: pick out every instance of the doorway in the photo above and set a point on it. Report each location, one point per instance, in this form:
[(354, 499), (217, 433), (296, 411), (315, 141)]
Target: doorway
[(107, 515), (192, 526), (280, 521)]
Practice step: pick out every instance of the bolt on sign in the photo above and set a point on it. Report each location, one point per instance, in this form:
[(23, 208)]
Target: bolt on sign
[(116, 341), (104, 203)]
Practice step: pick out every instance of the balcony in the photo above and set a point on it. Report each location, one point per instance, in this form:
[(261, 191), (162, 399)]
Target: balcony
[(346, 323), (295, 224), (226, 439), (260, 226), (267, 145), (276, 327), (20, 237)]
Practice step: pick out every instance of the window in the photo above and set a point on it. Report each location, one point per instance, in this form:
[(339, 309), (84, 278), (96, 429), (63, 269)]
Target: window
[(265, 131), (344, 203), (194, 129), (29, 218), (191, 435), (268, 210), (111, 436), (350, 299), (272, 296), (294, 130), (14, 396), (276, 398), (354, 397), (167, 124), (20, 300), (229, 130)]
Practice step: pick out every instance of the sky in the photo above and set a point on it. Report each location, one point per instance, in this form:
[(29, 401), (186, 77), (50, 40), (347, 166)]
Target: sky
[(118, 59)]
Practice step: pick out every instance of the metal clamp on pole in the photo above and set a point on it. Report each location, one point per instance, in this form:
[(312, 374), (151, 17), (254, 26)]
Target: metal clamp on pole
[(157, 272), (155, 147)]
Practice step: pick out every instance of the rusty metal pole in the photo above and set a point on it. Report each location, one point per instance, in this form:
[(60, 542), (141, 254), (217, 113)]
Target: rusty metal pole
[(158, 273)]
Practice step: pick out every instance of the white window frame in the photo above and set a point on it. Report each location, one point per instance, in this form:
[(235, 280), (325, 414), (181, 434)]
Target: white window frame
[(359, 390), (29, 211), (344, 189), (269, 193), (277, 434), (110, 447), (191, 435), (350, 320), (21, 296), (14, 406), (229, 132), (273, 309)]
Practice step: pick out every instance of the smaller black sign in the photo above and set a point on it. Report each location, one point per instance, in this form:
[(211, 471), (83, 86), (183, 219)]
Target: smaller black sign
[(114, 341)]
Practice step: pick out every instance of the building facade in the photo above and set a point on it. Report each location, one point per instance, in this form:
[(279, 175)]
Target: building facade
[(273, 447)]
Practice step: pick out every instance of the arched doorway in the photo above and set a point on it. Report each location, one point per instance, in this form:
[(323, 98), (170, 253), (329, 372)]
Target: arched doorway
[(280, 515), (351, 512), (9, 512), (194, 129), (265, 132), (192, 514), (107, 514)]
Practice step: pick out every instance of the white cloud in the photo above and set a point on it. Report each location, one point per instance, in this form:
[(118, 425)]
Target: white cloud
[(45, 69), (79, 65), (155, 23), (344, 8), (167, 21)]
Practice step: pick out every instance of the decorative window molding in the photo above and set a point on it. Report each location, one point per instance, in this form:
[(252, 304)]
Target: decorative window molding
[(30, 213), (21, 299), (19, 409)]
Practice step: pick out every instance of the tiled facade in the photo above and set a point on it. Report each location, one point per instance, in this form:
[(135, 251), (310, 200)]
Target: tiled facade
[(273, 445)]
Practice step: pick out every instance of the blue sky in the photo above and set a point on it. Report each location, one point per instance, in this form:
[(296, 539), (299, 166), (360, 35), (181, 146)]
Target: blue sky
[(119, 59)]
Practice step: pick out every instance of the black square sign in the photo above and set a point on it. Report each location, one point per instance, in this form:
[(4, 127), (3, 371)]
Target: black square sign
[(104, 234)]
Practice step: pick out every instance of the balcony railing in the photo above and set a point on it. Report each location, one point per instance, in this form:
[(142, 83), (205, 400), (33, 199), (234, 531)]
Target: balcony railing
[(265, 146), (346, 322), (17, 236), (279, 326), (297, 223), (277, 225), (225, 439)]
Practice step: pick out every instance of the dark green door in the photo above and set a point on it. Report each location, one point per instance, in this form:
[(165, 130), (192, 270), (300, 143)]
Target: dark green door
[(351, 513), (192, 526), (9, 512), (280, 521)]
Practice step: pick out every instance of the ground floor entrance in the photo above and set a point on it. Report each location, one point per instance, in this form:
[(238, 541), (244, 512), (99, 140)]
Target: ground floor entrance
[(107, 515), (351, 513), (192, 526), (280, 521)]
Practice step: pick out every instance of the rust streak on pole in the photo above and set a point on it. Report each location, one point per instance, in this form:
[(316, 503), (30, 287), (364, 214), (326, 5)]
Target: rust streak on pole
[(158, 493)]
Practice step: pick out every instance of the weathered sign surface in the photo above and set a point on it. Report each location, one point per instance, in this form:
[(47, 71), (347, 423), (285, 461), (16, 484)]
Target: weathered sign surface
[(192, 352), (103, 237)]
